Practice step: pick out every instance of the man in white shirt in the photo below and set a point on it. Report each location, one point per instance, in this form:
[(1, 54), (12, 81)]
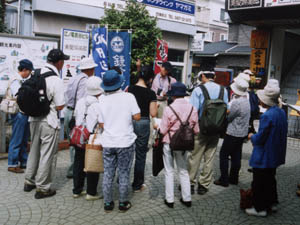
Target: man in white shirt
[(42, 158), (116, 114), (77, 90), (17, 151)]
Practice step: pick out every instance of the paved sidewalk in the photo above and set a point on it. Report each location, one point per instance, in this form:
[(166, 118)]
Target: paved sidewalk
[(219, 206)]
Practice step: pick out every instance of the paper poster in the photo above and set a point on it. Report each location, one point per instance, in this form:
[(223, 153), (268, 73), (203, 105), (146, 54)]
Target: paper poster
[(13, 49), (75, 44)]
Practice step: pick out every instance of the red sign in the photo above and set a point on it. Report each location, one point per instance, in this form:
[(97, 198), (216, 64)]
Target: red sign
[(161, 54)]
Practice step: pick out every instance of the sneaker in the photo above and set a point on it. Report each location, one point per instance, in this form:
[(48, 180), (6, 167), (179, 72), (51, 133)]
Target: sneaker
[(44, 194), (187, 204), (29, 187), (201, 189), (78, 195), (169, 204), (109, 207), (252, 212), (92, 197), (124, 206), (220, 183), (15, 170), (142, 188)]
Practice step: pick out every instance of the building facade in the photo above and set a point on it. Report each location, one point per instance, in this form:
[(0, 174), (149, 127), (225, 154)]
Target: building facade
[(42, 18)]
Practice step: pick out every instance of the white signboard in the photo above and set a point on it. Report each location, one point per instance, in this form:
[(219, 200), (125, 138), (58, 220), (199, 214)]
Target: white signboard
[(272, 3), (197, 44), (75, 44), (13, 49), (153, 11)]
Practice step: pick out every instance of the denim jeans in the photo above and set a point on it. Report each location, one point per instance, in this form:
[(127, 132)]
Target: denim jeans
[(17, 152), (79, 175), (121, 159), (67, 118), (232, 146), (142, 130)]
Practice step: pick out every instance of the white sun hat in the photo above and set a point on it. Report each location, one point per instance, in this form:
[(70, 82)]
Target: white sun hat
[(87, 63), (243, 76), (249, 72), (270, 94), (240, 86), (93, 86)]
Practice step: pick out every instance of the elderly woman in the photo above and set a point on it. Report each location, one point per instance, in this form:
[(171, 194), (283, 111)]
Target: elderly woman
[(237, 130), (269, 151), (84, 115)]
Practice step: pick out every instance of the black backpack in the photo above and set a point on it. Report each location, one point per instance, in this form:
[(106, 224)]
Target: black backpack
[(183, 138), (32, 95), (214, 115)]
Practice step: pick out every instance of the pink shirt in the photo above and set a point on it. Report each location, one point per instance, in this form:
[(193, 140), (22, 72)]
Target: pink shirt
[(170, 122), (162, 83)]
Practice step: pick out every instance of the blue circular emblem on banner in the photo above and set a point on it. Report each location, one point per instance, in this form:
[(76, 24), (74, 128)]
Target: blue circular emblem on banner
[(117, 44)]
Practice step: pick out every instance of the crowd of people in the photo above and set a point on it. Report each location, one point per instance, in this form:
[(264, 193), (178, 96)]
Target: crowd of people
[(121, 121)]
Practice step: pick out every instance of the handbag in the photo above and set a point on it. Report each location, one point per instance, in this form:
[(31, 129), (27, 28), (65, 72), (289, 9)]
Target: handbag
[(8, 104), (79, 134), (93, 161), (246, 201), (157, 155)]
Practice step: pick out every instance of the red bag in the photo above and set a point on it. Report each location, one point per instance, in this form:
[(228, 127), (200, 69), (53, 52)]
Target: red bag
[(246, 198), (79, 136)]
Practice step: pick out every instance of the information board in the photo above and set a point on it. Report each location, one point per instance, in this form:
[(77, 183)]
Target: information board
[(15, 48)]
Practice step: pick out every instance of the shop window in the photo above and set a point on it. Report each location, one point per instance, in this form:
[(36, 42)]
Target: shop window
[(223, 37), (175, 55)]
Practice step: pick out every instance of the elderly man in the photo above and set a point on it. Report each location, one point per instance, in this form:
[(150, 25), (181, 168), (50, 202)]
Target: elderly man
[(42, 158), (77, 90)]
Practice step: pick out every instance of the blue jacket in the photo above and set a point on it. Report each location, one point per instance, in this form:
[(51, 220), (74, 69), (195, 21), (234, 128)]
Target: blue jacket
[(271, 140)]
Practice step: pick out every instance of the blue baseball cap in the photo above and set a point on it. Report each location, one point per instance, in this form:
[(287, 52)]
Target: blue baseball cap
[(27, 64)]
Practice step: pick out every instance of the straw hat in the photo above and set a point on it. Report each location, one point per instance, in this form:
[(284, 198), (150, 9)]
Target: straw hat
[(87, 63)]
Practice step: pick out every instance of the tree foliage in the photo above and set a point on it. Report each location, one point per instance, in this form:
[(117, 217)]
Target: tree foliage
[(144, 30), (2, 13)]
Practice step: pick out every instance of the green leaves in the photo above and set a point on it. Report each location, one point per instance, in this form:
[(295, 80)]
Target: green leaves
[(144, 30)]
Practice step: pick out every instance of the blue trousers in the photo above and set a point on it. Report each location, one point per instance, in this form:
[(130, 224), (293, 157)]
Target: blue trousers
[(142, 130), (17, 151), (121, 159)]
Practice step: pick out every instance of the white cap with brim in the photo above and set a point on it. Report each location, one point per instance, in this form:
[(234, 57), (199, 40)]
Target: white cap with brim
[(93, 86), (248, 72), (243, 76), (270, 94), (87, 63), (239, 87)]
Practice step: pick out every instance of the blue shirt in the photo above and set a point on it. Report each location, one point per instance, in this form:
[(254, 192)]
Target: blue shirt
[(197, 98), (271, 140)]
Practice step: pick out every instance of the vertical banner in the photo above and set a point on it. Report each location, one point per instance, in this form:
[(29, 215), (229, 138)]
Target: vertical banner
[(161, 54), (119, 51), (100, 50)]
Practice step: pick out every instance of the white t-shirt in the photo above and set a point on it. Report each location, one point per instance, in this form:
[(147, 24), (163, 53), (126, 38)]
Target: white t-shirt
[(116, 111), (55, 92)]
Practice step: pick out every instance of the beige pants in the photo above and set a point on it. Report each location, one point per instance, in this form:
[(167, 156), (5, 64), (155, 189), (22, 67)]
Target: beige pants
[(41, 164), (205, 148)]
